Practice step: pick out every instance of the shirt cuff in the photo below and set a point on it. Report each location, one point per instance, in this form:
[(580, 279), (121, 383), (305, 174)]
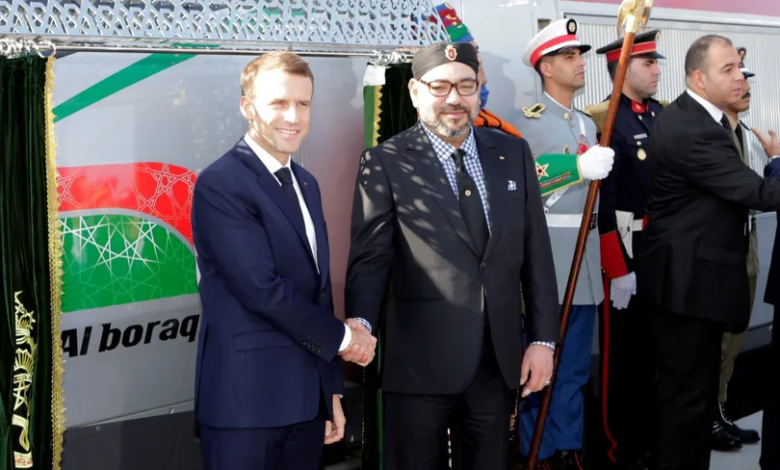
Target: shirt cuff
[(365, 323), (347, 338), (545, 343)]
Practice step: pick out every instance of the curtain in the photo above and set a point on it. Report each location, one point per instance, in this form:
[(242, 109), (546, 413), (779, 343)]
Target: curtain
[(388, 110), (30, 265)]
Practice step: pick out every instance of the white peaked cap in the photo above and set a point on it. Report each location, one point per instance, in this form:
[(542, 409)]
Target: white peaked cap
[(558, 35)]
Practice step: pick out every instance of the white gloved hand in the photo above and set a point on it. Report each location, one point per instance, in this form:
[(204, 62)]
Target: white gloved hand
[(622, 289), (596, 162)]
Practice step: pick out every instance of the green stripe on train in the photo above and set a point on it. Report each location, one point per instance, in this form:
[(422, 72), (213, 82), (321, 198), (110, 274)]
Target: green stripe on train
[(117, 82)]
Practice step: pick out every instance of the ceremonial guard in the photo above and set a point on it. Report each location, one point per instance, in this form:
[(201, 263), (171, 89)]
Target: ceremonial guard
[(567, 155), (626, 351), (727, 436)]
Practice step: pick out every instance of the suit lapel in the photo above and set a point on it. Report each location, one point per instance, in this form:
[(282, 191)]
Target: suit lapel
[(273, 189), (688, 101), (495, 171), (314, 206), (429, 172)]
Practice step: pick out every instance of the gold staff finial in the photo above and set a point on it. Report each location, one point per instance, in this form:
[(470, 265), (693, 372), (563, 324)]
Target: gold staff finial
[(632, 14)]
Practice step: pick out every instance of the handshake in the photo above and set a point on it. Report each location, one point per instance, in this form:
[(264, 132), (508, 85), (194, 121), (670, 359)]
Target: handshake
[(361, 349)]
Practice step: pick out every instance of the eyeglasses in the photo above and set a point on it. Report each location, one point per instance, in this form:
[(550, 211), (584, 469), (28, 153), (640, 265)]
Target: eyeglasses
[(441, 88)]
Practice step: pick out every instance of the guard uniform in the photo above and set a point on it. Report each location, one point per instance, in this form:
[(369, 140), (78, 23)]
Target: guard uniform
[(726, 434), (626, 368), (557, 137)]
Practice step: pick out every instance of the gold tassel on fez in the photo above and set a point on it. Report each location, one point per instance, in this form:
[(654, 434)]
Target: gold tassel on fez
[(24, 366)]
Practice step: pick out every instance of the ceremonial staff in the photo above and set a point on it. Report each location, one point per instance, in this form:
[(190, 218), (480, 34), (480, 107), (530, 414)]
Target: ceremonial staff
[(631, 15)]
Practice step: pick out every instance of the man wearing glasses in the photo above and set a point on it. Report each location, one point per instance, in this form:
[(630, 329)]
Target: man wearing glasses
[(567, 155), (451, 216)]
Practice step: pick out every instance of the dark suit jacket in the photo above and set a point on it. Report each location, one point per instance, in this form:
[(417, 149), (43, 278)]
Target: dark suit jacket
[(406, 221), (269, 339), (772, 294), (698, 200)]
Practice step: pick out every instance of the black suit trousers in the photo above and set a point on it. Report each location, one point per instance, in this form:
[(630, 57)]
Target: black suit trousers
[(627, 375), (416, 425), (687, 353)]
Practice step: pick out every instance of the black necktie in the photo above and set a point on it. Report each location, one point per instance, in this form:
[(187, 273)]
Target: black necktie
[(724, 121), (285, 177), (470, 203)]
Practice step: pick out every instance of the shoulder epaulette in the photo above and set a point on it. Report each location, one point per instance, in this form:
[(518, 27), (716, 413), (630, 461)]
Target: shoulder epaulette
[(598, 112), (534, 112)]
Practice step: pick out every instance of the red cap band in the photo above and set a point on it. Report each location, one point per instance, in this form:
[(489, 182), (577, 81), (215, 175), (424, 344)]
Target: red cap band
[(639, 49), (552, 42)]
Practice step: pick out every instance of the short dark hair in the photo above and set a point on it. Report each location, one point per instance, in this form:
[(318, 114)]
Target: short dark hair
[(613, 66), (698, 54)]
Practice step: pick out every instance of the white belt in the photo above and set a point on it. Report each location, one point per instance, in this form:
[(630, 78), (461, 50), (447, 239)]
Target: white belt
[(637, 225), (568, 220)]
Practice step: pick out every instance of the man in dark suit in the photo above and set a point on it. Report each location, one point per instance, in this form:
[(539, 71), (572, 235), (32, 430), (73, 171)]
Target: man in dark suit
[(452, 215), (692, 270), (268, 379), (770, 445)]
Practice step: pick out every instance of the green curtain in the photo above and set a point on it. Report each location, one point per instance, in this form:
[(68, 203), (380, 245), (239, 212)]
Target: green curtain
[(30, 398), (388, 111)]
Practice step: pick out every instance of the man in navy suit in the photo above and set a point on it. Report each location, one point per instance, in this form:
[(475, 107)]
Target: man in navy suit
[(268, 378), (770, 450)]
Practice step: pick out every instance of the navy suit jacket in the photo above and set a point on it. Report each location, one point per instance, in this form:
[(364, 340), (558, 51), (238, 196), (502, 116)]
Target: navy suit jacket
[(772, 294), (269, 341)]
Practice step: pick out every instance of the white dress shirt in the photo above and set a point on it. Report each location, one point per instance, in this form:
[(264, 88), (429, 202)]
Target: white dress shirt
[(715, 112), (273, 165)]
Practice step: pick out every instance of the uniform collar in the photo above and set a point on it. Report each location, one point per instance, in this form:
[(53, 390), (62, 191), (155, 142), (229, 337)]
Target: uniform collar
[(638, 107), (557, 108), (734, 122)]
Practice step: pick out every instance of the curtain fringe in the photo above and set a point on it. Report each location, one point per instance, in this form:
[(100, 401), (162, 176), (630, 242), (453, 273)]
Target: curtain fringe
[(55, 273), (377, 114)]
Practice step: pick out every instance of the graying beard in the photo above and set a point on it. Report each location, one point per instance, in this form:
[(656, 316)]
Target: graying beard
[(442, 129)]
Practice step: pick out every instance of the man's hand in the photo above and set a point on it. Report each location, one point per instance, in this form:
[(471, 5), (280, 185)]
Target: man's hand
[(596, 162), (334, 430), (362, 347), (621, 290), (770, 144), (538, 361)]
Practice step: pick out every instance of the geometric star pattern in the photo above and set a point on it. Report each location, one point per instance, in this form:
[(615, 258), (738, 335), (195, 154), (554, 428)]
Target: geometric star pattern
[(158, 189), (117, 259)]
